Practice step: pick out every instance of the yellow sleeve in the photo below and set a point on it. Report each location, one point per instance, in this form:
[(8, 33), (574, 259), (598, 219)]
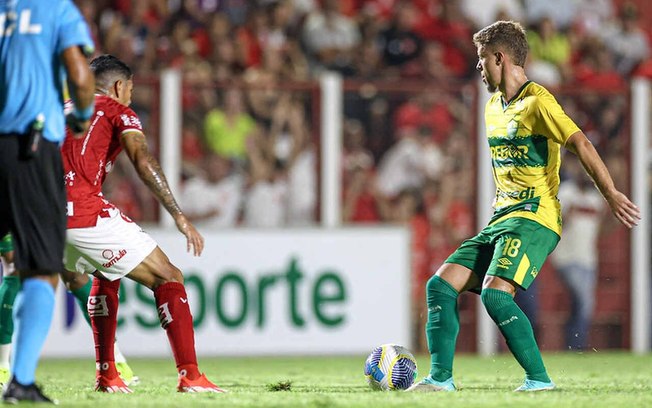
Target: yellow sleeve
[(552, 121)]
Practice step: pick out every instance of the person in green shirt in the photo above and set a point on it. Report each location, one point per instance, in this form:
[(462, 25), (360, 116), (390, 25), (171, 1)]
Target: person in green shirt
[(227, 130)]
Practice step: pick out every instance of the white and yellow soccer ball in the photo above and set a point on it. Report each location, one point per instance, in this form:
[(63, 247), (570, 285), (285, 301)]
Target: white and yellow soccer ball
[(390, 367)]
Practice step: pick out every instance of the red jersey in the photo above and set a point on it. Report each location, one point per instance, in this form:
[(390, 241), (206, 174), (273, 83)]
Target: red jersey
[(86, 161)]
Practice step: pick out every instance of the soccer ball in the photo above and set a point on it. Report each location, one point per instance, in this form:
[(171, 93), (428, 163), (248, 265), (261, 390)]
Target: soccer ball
[(390, 367)]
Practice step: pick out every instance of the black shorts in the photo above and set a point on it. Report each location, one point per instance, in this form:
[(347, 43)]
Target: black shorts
[(33, 205)]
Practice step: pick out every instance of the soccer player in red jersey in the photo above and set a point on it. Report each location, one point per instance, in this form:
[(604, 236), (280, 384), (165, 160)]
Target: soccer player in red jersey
[(103, 241)]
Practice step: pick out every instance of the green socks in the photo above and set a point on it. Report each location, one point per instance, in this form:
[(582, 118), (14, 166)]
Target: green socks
[(81, 295), (517, 330), (442, 327), (8, 291)]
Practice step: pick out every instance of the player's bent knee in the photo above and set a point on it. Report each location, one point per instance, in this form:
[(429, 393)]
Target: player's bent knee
[(494, 300), (438, 284), (175, 274), (459, 277), (168, 273)]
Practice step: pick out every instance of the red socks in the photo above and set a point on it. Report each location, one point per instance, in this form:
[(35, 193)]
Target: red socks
[(176, 319), (103, 311)]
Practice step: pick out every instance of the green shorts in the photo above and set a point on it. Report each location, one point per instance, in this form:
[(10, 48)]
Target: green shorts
[(513, 249), (6, 244)]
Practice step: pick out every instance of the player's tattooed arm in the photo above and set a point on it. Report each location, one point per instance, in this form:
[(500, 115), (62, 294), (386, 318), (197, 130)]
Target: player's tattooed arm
[(149, 170)]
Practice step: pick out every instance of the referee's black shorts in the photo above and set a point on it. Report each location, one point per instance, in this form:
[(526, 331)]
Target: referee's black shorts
[(33, 205)]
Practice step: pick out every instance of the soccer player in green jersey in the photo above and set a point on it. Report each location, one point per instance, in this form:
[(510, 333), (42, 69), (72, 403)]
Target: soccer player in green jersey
[(526, 128)]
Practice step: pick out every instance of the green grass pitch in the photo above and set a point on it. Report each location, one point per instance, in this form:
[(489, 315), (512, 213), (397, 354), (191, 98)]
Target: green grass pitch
[(594, 379)]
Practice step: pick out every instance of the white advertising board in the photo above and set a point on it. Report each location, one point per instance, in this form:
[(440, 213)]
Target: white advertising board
[(306, 292)]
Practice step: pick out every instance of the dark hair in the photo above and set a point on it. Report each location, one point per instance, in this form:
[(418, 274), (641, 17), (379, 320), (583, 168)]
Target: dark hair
[(508, 36), (108, 69)]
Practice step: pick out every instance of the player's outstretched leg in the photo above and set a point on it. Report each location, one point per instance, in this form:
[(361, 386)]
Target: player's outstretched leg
[(176, 319), (518, 333), (441, 330), (80, 285), (103, 312), (8, 291)]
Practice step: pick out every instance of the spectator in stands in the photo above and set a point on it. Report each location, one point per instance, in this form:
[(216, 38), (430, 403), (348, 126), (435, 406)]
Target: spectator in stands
[(576, 256), (627, 40), (355, 153), (236, 10), (487, 13), (562, 12), (433, 65), (368, 62), (250, 35), (224, 61), (400, 44), (361, 203), (224, 57), (542, 72), (212, 199), (289, 136), (448, 25), (263, 81), (265, 200), (226, 130), (593, 15), (432, 108), (549, 45), (409, 162), (331, 38), (282, 24), (192, 146), (596, 68), (358, 183)]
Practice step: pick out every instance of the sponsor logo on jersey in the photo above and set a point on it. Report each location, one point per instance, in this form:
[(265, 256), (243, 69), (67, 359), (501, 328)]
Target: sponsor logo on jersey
[(509, 151), (522, 151), (112, 258), (526, 194), (130, 121), (520, 195)]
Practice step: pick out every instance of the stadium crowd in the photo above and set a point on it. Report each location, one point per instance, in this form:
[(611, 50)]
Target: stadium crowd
[(250, 123), (243, 117)]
